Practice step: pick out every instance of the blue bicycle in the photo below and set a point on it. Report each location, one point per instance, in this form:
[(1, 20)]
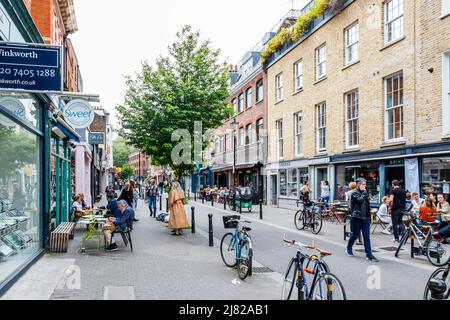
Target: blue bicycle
[(236, 248)]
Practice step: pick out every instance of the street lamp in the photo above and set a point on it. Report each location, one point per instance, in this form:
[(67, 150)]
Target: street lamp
[(234, 124)]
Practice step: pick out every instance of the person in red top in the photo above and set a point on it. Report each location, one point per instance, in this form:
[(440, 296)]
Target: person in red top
[(428, 211)]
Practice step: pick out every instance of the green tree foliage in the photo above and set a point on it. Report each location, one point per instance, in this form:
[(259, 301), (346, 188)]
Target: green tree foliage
[(121, 150), (189, 85), (127, 171)]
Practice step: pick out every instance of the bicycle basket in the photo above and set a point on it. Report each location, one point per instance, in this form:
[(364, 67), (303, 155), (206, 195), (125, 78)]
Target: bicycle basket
[(230, 224)]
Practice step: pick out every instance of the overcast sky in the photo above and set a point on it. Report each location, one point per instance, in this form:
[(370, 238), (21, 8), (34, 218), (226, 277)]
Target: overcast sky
[(114, 37)]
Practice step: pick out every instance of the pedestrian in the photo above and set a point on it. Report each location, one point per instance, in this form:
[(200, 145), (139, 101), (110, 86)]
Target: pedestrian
[(325, 192), (361, 220), (178, 219), (348, 194), (152, 195), (127, 194), (136, 197), (398, 205)]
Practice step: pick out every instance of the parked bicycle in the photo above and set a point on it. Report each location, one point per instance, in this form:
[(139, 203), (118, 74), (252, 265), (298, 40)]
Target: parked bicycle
[(236, 248), (325, 285), (436, 251), (309, 217), (438, 286)]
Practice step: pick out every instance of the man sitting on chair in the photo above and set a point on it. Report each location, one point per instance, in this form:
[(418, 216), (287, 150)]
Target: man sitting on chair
[(121, 224)]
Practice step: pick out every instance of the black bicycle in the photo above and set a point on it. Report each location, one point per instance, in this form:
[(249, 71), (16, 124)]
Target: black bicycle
[(325, 285), (309, 217), (438, 286)]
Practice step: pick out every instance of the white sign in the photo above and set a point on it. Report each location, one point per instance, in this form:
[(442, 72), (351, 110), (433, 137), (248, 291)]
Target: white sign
[(16, 107), (446, 188), (79, 114)]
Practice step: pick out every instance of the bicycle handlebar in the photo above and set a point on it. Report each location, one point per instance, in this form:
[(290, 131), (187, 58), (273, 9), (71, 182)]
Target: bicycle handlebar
[(299, 244)]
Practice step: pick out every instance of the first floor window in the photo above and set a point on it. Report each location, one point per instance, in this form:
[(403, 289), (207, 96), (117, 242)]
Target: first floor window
[(259, 91), (321, 60), (352, 118), (446, 93), (352, 43), (298, 75), (235, 105), (241, 103), (445, 7), (241, 137), (248, 100), (321, 127), (279, 127), (394, 106), (259, 129), (298, 118), (249, 134)]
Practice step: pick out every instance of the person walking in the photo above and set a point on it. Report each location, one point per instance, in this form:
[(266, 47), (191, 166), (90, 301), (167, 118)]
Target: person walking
[(127, 194), (178, 219), (360, 210), (152, 195), (398, 204)]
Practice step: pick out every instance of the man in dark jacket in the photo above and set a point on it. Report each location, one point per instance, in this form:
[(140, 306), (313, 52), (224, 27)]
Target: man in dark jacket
[(360, 211), (123, 222)]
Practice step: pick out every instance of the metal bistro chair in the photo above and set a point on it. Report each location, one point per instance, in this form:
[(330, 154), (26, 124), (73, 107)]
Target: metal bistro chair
[(377, 221), (126, 237)]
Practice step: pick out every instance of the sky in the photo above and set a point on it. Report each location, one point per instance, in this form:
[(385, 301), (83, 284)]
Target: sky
[(115, 37)]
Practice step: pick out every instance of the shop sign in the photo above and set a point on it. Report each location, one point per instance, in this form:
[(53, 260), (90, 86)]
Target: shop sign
[(396, 162), (30, 67), (5, 25), (96, 138), (446, 188), (79, 114), (16, 107)]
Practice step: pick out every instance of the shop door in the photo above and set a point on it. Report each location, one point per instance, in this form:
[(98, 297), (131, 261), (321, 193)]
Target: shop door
[(394, 173), (274, 190), (322, 175)]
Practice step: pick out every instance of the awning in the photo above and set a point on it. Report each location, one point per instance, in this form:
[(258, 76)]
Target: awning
[(69, 134)]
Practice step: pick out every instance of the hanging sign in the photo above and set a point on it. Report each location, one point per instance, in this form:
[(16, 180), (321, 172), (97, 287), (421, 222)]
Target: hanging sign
[(30, 67), (79, 114)]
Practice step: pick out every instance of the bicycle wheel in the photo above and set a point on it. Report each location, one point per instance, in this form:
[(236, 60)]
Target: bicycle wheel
[(245, 260), (298, 220), (437, 253), (439, 274), (289, 280), (316, 223), (403, 241), (228, 250), (328, 287)]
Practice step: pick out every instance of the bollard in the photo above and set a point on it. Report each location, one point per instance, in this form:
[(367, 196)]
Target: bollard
[(240, 207), (225, 203), (211, 235), (412, 246), (260, 209), (160, 202), (212, 201), (195, 196), (167, 205), (203, 200), (193, 219)]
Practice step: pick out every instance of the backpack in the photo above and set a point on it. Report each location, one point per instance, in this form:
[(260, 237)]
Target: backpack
[(161, 217)]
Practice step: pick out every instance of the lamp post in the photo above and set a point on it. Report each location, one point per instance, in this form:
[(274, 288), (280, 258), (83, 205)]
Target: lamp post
[(234, 124)]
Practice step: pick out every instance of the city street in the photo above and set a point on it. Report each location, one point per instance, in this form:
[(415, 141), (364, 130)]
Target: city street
[(167, 267)]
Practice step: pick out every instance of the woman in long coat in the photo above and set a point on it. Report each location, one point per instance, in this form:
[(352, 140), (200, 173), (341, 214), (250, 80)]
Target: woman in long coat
[(178, 219)]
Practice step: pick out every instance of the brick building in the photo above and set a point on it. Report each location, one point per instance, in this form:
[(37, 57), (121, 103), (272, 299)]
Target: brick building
[(365, 93), (249, 100)]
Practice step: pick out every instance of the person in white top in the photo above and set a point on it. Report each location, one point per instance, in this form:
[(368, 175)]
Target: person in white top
[(417, 201), (383, 214)]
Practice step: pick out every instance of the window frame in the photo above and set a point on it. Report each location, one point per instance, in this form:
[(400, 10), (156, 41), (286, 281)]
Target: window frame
[(241, 103), (446, 93), (321, 65), (248, 134), (241, 136), (298, 77), (298, 134), (259, 127), (259, 84), (280, 139), (348, 45), (279, 87), (388, 109), (321, 114), (388, 23), (349, 120), (248, 92), (234, 102)]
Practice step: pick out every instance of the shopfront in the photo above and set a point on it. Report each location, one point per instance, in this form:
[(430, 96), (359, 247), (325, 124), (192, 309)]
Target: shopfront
[(435, 175)]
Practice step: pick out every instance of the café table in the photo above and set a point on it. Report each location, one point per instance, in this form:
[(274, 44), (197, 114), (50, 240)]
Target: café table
[(92, 222)]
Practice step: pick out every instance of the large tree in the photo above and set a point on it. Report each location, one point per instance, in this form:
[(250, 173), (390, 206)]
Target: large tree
[(187, 86), (121, 150)]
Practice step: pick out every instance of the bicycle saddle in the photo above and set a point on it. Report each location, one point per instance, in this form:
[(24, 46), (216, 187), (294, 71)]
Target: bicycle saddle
[(324, 253), (247, 229)]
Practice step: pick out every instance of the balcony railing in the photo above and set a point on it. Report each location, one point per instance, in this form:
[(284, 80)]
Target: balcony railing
[(245, 155)]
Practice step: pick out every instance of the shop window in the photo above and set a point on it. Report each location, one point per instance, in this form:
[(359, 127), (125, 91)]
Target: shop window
[(20, 194), (349, 173), (436, 175), (23, 106), (293, 183), (283, 183)]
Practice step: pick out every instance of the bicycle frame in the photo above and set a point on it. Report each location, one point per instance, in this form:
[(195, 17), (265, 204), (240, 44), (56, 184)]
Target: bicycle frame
[(238, 237), (301, 283)]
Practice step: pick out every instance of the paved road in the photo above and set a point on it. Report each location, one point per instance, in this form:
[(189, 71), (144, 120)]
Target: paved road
[(399, 279)]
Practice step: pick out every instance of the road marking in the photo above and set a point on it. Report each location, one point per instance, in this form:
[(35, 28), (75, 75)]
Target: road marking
[(320, 238), (118, 293)]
